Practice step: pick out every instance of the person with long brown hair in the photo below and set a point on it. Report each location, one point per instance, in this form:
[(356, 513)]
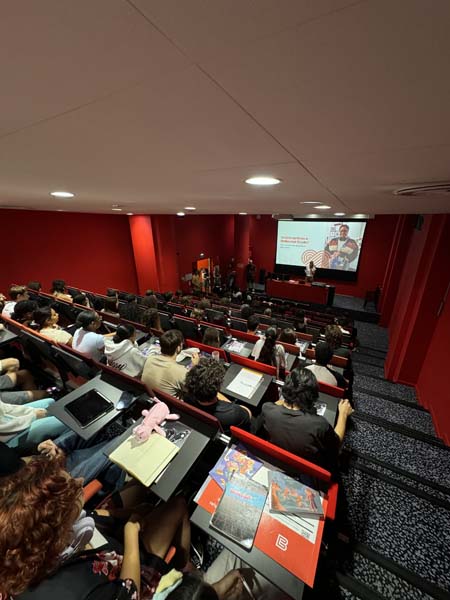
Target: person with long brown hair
[(43, 536)]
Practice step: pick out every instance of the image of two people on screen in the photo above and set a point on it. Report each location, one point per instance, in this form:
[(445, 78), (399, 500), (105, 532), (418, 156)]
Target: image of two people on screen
[(341, 250)]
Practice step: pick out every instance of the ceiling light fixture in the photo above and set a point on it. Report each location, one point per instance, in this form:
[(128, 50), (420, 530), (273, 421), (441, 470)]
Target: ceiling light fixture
[(117, 209), (339, 214), (309, 202), (62, 194), (263, 180), (322, 206), (242, 213), (130, 214), (180, 214), (190, 208)]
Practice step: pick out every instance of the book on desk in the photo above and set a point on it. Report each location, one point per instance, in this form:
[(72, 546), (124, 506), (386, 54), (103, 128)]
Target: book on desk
[(144, 460), (282, 537)]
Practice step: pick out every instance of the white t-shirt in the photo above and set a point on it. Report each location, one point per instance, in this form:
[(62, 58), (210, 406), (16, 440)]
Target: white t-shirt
[(8, 309), (322, 374), (89, 343)]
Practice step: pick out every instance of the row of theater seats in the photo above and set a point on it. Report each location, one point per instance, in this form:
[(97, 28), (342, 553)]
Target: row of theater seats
[(72, 369)]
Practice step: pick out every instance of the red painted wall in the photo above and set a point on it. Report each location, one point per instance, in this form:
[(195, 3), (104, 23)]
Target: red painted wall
[(432, 384), (87, 250)]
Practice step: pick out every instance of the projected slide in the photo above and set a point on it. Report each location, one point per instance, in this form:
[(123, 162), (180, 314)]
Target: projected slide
[(329, 245)]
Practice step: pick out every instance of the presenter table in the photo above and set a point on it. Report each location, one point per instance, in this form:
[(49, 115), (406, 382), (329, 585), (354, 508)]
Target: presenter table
[(301, 292)]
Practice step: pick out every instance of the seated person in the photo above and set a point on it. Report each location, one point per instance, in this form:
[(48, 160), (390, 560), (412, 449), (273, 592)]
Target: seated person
[(26, 426), (161, 371), (59, 290), (219, 320), (300, 321), (287, 336), (267, 351), (123, 570), (12, 376), (81, 299), (268, 312), (34, 285), (86, 459), (16, 294), (333, 337), (85, 338), (151, 319), (201, 388), (252, 324), (46, 319), (323, 373), (246, 311), (211, 337), (150, 300), (23, 312), (130, 310), (198, 314), (293, 424), (111, 306), (122, 351)]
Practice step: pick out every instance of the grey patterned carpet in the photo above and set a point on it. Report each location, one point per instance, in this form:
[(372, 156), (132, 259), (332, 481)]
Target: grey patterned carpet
[(393, 536)]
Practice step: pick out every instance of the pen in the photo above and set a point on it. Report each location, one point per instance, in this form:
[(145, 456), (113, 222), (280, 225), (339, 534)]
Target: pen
[(247, 588)]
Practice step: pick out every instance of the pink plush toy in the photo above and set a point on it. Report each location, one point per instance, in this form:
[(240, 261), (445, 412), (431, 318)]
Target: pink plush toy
[(153, 418)]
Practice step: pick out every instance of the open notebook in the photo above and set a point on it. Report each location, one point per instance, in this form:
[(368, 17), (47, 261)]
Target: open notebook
[(144, 460)]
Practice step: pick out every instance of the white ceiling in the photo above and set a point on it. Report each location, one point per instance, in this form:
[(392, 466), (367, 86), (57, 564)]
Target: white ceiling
[(158, 104)]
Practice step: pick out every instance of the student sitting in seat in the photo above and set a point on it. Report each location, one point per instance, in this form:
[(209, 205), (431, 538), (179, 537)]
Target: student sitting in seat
[(34, 285), (53, 561), (267, 351), (252, 324), (211, 337), (59, 290), (287, 336), (201, 388), (85, 338), (16, 293), (110, 306), (26, 426), (122, 351), (161, 371), (151, 319), (323, 373), (23, 312), (46, 319), (293, 424), (12, 376), (130, 311)]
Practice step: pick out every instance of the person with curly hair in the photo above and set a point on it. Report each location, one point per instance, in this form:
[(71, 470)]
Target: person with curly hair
[(44, 532), (294, 425), (201, 388)]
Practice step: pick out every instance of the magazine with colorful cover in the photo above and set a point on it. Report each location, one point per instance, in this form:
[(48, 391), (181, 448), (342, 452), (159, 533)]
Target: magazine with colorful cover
[(235, 461), (239, 511), (286, 495)]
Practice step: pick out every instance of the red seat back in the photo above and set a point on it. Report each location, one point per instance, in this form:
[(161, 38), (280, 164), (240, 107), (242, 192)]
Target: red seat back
[(254, 365)]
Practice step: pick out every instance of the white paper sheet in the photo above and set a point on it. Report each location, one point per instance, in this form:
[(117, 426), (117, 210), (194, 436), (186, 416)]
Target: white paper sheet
[(245, 383)]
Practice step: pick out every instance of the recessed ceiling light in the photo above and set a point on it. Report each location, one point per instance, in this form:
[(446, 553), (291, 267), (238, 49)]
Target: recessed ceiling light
[(190, 208), (62, 194), (242, 213), (130, 214), (339, 214), (117, 209), (263, 180), (309, 202), (322, 206), (180, 214)]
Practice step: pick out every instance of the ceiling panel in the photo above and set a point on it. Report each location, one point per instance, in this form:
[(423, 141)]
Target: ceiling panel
[(59, 54)]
